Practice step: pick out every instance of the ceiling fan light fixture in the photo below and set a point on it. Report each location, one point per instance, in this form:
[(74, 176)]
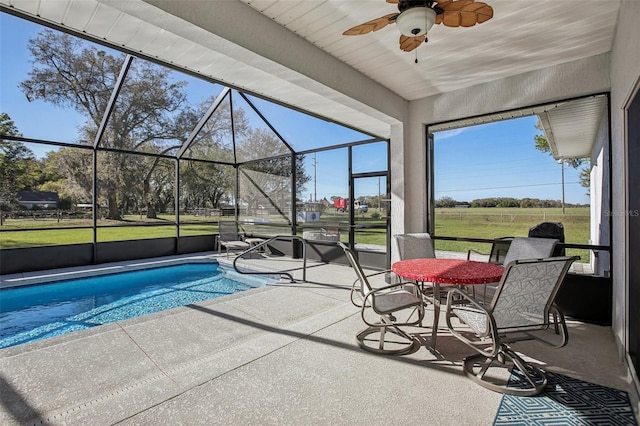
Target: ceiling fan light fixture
[(416, 21)]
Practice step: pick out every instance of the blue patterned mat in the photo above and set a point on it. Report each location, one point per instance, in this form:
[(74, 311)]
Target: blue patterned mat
[(568, 401)]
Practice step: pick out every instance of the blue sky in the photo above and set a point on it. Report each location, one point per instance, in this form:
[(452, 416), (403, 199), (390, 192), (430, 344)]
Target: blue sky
[(492, 160), (40, 119), (500, 160)]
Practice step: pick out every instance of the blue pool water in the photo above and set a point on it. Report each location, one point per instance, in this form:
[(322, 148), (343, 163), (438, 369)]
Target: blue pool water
[(42, 311)]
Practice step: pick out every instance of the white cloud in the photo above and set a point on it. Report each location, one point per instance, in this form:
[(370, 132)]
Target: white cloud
[(450, 133)]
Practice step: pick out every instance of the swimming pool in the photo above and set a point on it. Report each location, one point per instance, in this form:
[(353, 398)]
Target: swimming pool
[(41, 311)]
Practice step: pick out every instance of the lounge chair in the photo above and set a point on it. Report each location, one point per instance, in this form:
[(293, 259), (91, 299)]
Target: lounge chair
[(229, 237)]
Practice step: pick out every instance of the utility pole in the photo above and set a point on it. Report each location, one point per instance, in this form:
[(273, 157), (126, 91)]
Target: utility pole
[(315, 163), (379, 194), (562, 164)]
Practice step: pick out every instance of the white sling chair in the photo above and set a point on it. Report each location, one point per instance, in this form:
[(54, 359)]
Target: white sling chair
[(522, 309), (387, 303)]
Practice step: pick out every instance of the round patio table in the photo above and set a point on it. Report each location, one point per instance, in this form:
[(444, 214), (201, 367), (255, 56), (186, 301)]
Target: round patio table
[(446, 272)]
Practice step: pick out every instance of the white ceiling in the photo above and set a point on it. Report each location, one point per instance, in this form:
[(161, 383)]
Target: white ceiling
[(523, 35), (268, 52)]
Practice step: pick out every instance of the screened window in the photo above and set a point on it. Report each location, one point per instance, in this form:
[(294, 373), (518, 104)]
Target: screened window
[(164, 153), (511, 183)]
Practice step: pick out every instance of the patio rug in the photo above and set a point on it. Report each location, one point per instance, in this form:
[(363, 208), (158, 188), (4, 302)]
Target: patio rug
[(567, 401)]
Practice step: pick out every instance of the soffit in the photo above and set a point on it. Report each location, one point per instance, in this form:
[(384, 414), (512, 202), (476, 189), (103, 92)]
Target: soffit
[(571, 127)]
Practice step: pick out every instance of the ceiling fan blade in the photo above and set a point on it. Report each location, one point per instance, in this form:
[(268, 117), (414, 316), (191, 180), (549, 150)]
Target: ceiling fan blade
[(373, 25), (485, 12), (453, 4), (464, 13), (450, 6), (393, 1), (407, 44)]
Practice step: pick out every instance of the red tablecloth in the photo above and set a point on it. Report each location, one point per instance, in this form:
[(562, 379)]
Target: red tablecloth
[(448, 271)]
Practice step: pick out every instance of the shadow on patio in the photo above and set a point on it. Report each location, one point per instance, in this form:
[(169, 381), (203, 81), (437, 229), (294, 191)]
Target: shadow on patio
[(282, 354)]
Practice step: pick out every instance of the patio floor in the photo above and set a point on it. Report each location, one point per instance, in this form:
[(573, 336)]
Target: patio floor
[(282, 354)]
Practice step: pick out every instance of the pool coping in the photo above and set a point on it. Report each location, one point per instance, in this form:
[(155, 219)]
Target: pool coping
[(52, 275), (14, 281), (11, 351)]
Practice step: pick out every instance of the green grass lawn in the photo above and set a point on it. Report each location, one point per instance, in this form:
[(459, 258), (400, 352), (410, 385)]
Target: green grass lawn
[(108, 231), (495, 222), (486, 223), (78, 236)]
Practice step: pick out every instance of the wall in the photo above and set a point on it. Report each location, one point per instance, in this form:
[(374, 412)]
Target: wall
[(573, 79), (625, 72), (600, 194), (26, 259), (398, 165)]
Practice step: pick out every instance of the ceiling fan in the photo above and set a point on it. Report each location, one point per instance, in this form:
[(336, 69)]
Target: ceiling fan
[(416, 17)]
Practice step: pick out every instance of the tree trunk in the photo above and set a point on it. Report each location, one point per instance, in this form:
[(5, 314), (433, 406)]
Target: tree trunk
[(151, 211), (112, 204)]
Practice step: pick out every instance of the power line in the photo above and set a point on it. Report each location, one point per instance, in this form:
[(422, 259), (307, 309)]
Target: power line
[(503, 187), (481, 174), (446, 169)]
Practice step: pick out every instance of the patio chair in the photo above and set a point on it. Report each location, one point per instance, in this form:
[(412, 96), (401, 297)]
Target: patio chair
[(499, 249), (530, 248), (415, 246), (229, 237), (388, 303), (523, 248), (522, 309)]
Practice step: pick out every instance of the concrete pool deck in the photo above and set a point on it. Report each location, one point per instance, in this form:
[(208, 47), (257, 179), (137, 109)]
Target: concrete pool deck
[(282, 354)]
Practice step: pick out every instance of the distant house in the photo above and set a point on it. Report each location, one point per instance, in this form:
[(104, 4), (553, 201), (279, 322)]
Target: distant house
[(38, 199)]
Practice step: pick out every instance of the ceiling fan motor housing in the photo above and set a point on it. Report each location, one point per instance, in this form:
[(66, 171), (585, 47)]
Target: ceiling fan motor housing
[(407, 4), (417, 20)]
